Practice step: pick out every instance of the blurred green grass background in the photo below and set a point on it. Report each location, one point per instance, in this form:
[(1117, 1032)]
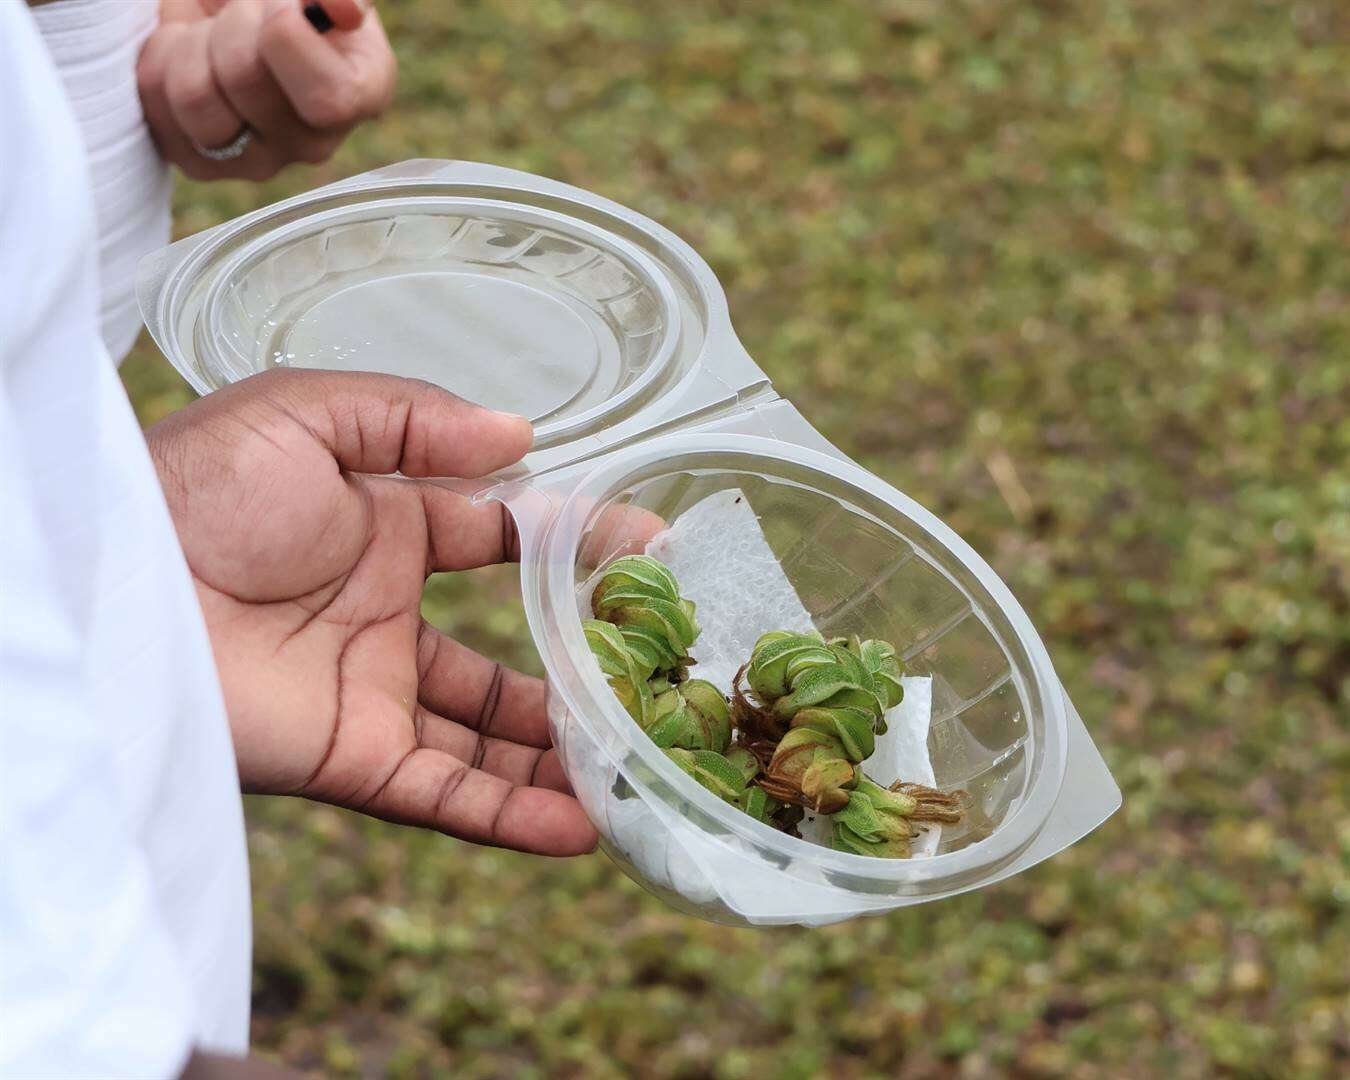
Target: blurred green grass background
[(1075, 276)]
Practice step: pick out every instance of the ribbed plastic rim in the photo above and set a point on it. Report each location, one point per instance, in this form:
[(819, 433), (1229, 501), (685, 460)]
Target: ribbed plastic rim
[(221, 269)]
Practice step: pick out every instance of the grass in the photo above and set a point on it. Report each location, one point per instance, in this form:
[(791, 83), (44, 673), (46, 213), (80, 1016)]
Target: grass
[(1075, 276)]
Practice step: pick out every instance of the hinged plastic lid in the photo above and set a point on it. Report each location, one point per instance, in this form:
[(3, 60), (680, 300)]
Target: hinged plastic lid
[(514, 291)]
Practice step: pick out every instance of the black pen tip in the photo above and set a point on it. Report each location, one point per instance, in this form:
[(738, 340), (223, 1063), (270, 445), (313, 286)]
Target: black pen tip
[(318, 18)]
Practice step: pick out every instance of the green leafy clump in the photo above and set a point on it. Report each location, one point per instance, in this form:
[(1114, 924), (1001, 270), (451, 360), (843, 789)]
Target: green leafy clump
[(640, 637), (804, 728), (881, 821), (639, 595), (821, 704)]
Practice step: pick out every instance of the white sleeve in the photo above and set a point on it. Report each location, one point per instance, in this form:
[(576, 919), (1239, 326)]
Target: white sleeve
[(91, 983)]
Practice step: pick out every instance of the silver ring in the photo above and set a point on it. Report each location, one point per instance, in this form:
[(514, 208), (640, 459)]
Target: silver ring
[(230, 150)]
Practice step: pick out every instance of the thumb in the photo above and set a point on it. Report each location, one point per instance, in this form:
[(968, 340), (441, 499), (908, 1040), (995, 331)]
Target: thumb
[(383, 424)]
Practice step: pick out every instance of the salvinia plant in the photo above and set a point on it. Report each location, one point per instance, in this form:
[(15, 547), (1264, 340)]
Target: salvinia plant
[(793, 741), (640, 637)]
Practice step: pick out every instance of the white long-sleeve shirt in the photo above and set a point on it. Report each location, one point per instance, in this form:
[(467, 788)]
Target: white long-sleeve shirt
[(94, 45), (124, 908)]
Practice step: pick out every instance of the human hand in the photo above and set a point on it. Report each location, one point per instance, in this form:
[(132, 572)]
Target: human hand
[(213, 69), (309, 562)]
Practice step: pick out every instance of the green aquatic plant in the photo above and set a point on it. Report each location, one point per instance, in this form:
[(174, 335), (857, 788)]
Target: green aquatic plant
[(712, 770), (692, 715), (731, 777), (810, 767), (627, 678), (881, 663), (809, 718), (779, 658), (743, 759), (639, 595), (754, 800), (820, 705), (650, 648), (640, 637), (881, 821), (801, 679)]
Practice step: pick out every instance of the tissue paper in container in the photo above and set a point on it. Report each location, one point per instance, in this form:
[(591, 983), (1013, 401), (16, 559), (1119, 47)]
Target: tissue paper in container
[(613, 336)]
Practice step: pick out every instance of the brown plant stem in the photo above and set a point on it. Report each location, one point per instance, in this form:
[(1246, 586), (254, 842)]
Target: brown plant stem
[(759, 723), (933, 805), (789, 793)]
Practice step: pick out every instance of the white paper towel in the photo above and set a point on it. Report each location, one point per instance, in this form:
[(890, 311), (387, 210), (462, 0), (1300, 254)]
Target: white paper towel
[(723, 563)]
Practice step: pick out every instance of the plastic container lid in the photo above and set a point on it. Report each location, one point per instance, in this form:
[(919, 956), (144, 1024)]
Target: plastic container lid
[(515, 292)]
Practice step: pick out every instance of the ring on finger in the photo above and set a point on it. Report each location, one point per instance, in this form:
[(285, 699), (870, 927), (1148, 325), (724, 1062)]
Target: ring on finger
[(230, 150)]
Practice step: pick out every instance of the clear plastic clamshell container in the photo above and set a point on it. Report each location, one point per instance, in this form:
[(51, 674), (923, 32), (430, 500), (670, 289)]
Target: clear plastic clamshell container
[(613, 336)]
